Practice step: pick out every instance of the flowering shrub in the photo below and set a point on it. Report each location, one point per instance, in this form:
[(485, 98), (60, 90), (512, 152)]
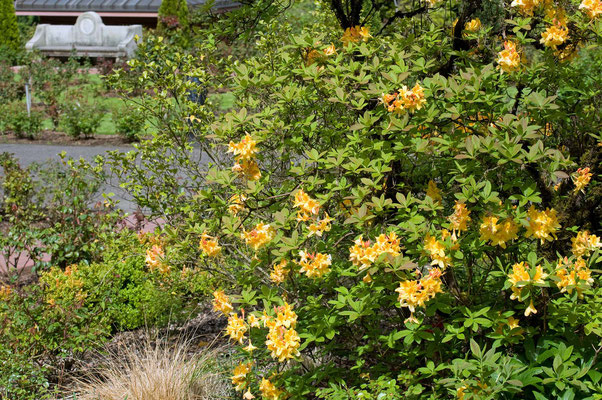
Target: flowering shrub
[(405, 215)]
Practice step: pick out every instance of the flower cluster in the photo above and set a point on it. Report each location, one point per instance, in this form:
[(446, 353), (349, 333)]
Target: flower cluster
[(405, 99), (416, 293), (573, 275), (521, 276), (473, 26), (581, 178), (244, 152), (363, 255), (498, 233), (307, 206), (239, 375), (279, 272), (436, 250), (434, 192), (268, 390), (355, 34), (314, 265), (509, 58), (155, 259), (554, 35), (259, 236), (320, 226), (542, 224), (236, 203), (283, 340), (459, 219), (526, 7), (584, 243), (592, 8), (209, 245), (236, 328), (221, 302)]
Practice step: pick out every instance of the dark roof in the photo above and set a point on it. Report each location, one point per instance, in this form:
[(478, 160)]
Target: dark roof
[(108, 5)]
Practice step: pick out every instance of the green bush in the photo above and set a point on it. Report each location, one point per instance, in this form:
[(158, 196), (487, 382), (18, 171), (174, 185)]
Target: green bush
[(17, 120), (10, 42), (11, 89), (130, 125), (81, 118)]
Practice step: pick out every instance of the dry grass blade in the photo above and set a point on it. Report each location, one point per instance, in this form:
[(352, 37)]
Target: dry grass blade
[(157, 372)]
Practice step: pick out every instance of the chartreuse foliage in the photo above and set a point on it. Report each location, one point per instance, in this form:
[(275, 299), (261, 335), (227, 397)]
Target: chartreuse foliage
[(392, 215)]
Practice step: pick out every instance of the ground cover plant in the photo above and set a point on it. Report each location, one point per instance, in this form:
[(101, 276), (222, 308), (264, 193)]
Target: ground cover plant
[(413, 214)]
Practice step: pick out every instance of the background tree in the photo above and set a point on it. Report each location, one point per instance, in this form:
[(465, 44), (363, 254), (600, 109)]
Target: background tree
[(173, 13), (9, 32)]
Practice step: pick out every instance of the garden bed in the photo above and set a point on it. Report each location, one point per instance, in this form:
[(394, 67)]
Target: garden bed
[(61, 138)]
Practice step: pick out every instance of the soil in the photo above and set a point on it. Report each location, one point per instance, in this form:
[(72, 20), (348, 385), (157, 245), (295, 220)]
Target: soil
[(61, 138)]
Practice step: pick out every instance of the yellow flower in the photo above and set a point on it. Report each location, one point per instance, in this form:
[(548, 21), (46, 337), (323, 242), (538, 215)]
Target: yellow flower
[(268, 390), (330, 50), (248, 395), (243, 150), (584, 244), (416, 293), (248, 169), (509, 58), (155, 259), (526, 7), (355, 34), (460, 218), (5, 292), (239, 375), (436, 250), (221, 302), (307, 205), (236, 328), (259, 236), (542, 224), (581, 179), (473, 25), (322, 225), (412, 99), (314, 265), (279, 273), (498, 234), (433, 192), (513, 323), (554, 36), (249, 347), (530, 309), (573, 275), (362, 255), (209, 245), (283, 343), (592, 8), (236, 203), (253, 321)]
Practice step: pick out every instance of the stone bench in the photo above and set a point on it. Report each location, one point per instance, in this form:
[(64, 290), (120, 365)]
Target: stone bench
[(89, 37)]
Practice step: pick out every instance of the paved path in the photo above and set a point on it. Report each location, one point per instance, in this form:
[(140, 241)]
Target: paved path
[(40, 153)]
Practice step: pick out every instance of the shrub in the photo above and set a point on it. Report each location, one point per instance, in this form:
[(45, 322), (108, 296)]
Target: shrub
[(130, 125), (11, 89), (173, 14), (9, 32), (81, 118), (22, 124)]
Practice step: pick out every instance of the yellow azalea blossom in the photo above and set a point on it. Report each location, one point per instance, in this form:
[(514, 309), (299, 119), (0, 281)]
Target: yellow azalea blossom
[(542, 224), (460, 218), (592, 8), (581, 179), (259, 236), (236, 203), (314, 265), (248, 169), (433, 192), (221, 302), (584, 243), (363, 255), (249, 348), (321, 226), (155, 259), (573, 275), (279, 272), (307, 205), (236, 328), (521, 276), (5, 292), (530, 309), (412, 99), (209, 245), (283, 343), (526, 7), (355, 34), (330, 50), (473, 25), (243, 150), (248, 395), (239, 375), (285, 316), (253, 321), (416, 293), (509, 58), (554, 36), (500, 233), (513, 323), (268, 390), (436, 250)]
